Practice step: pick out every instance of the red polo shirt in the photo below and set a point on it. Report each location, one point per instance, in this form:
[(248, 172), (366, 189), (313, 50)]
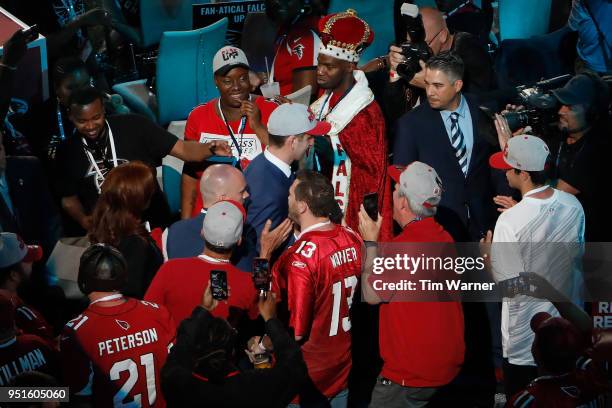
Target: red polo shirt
[(421, 343)]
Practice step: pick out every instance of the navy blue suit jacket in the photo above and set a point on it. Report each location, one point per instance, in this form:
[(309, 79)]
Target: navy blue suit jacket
[(466, 210), (269, 192), (184, 239)]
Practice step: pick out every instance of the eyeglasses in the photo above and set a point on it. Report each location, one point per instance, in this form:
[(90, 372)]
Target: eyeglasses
[(434, 37)]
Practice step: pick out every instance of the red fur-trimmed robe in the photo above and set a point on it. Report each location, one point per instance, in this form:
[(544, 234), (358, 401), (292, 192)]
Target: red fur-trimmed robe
[(364, 141)]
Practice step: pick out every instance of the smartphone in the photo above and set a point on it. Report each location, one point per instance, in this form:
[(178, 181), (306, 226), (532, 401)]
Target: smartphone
[(218, 284), (518, 285), (370, 203), (31, 33), (262, 278)]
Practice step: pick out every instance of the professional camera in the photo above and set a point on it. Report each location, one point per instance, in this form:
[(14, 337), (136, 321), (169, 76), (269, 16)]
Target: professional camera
[(417, 49), (540, 106)]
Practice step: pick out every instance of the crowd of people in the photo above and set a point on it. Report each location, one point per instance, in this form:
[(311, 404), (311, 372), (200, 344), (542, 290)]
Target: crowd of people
[(261, 291)]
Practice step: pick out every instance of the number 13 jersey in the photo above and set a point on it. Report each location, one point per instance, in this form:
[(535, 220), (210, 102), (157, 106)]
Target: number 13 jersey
[(318, 277), (115, 354)]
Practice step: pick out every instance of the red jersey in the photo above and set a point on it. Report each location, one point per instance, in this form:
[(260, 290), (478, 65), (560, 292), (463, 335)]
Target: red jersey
[(26, 353), (30, 321), (296, 50), (180, 283), (115, 354), (204, 125), (421, 343), (318, 276)]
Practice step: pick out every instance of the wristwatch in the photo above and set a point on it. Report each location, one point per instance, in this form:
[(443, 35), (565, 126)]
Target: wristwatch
[(382, 61), (370, 244)]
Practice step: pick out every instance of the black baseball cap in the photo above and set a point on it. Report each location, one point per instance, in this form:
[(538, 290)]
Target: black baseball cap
[(580, 90)]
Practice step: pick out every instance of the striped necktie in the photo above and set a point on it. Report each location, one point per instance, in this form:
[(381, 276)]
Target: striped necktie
[(458, 143)]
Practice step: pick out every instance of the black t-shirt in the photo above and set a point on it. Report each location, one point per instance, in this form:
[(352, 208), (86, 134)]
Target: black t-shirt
[(136, 138), (575, 164), (579, 165)]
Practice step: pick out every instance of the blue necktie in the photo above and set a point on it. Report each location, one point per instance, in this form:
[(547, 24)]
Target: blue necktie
[(458, 143)]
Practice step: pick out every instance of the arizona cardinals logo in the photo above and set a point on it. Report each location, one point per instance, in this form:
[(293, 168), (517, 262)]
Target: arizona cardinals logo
[(311, 115), (124, 325), (297, 48)]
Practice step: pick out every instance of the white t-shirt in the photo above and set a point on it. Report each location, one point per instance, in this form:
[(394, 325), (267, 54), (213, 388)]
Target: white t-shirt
[(530, 228)]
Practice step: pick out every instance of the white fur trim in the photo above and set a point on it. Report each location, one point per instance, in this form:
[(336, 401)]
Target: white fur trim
[(338, 52), (358, 98), (354, 102)]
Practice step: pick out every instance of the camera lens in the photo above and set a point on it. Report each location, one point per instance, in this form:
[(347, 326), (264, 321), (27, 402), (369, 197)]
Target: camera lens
[(516, 120)]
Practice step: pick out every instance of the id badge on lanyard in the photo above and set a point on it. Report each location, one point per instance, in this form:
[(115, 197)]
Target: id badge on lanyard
[(241, 128), (92, 160)]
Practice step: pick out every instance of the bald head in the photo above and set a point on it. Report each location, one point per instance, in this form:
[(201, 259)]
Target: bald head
[(436, 32), (222, 182)]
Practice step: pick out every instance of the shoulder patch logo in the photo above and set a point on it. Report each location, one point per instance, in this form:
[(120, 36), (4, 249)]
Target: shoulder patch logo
[(123, 324), (298, 264)]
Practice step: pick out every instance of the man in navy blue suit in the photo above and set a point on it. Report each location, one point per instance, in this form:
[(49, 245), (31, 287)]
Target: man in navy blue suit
[(291, 128), (444, 133)]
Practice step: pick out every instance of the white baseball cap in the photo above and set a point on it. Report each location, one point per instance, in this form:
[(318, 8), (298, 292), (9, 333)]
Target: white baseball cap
[(522, 152), (228, 58), (223, 223), (418, 181), (13, 250), (290, 119)]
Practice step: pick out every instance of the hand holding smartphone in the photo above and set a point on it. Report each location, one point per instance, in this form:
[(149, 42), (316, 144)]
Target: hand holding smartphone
[(218, 284), (370, 203), (262, 277), (512, 287)]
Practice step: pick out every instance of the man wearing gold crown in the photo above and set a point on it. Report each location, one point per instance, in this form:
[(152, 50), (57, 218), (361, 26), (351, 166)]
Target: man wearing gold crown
[(354, 153)]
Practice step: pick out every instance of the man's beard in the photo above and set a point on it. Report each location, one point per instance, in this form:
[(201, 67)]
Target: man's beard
[(293, 216)]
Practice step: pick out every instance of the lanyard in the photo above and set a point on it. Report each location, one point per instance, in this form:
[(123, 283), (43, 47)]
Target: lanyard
[(456, 9), (60, 123), (213, 260), (107, 298), (328, 99), (93, 161), (313, 227), (241, 128), (323, 106)]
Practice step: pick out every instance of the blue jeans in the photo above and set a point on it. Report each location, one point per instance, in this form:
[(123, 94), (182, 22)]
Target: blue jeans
[(340, 400)]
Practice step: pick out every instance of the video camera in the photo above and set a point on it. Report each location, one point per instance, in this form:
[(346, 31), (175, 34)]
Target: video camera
[(540, 106), (417, 49)]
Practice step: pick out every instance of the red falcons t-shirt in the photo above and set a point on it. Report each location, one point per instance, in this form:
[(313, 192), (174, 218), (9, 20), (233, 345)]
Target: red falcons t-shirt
[(30, 321), (180, 283), (205, 125), (23, 354), (318, 276), (115, 354), (296, 50)]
